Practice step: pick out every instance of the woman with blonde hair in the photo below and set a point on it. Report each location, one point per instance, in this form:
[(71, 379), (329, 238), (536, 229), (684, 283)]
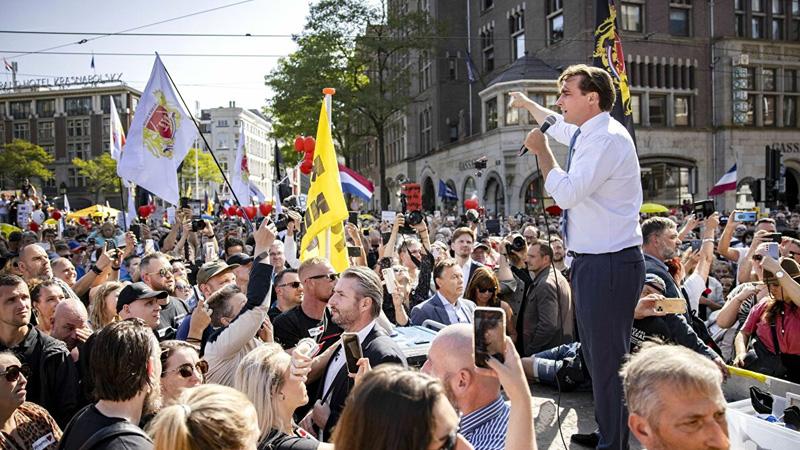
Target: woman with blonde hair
[(103, 304), (204, 417), (265, 377)]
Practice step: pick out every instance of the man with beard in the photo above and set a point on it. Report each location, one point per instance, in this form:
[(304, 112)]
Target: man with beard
[(289, 291), (461, 245), (484, 414), (355, 305), (156, 273), (53, 383), (126, 388), (558, 256)]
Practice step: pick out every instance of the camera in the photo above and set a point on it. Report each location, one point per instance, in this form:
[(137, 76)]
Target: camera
[(479, 165), (198, 225), (412, 218), (473, 216), (517, 244), (703, 209)]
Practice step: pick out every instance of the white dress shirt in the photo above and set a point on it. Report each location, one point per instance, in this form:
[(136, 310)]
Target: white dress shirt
[(339, 359), (465, 271), (455, 315), (603, 189)]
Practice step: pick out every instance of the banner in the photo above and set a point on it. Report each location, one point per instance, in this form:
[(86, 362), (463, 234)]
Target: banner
[(159, 138), (608, 55), (326, 209), (240, 175)]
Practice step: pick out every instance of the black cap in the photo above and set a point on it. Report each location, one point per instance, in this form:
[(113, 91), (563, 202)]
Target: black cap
[(137, 291), (240, 259)]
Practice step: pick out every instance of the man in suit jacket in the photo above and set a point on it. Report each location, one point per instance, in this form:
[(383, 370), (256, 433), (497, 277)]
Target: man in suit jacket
[(462, 244), (545, 316), (354, 306), (446, 307)]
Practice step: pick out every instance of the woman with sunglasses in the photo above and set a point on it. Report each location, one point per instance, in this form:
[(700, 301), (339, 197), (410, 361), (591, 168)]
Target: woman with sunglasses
[(276, 388), (483, 289), (181, 368), (23, 423)]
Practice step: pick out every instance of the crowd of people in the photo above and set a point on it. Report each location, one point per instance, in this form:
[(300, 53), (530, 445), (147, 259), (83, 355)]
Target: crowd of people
[(204, 334)]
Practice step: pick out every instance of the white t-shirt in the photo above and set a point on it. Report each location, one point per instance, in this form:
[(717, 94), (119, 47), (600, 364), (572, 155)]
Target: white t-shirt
[(694, 287)]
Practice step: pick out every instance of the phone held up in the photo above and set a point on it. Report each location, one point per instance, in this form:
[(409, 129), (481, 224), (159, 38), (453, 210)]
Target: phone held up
[(490, 334), (352, 351)]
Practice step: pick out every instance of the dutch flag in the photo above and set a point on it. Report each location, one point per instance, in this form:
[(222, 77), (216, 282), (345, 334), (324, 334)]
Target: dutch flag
[(355, 184), (726, 183)]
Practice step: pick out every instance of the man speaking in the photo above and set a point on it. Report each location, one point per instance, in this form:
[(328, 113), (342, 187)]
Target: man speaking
[(600, 193)]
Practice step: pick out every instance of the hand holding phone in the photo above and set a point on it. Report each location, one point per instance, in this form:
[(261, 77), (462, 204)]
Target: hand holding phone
[(388, 278), (671, 305), (490, 334), (352, 351)]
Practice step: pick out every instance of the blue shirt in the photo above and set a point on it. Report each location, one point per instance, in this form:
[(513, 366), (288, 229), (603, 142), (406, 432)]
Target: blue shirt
[(486, 428)]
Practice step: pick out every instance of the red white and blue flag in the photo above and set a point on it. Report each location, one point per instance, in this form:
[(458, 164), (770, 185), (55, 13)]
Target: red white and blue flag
[(354, 183), (726, 183)]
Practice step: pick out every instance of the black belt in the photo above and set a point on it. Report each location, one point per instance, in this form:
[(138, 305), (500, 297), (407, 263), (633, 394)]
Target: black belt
[(577, 255)]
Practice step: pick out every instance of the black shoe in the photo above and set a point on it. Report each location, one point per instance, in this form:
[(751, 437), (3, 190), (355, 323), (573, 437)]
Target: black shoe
[(586, 440), (791, 417), (761, 400)]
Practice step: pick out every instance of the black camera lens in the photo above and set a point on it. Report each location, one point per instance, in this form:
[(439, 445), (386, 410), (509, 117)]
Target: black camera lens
[(415, 218), (197, 225), (518, 243)]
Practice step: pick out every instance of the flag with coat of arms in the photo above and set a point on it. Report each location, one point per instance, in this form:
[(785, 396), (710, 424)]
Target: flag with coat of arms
[(159, 137), (240, 174)]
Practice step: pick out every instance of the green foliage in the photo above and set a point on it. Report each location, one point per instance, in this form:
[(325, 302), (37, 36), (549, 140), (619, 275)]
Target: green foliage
[(101, 174), (21, 159), (208, 171)]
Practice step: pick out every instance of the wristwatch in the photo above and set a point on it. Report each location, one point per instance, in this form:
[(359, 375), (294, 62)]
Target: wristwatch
[(779, 274), (262, 256)]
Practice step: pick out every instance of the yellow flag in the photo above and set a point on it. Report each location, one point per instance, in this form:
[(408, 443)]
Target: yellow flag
[(325, 207)]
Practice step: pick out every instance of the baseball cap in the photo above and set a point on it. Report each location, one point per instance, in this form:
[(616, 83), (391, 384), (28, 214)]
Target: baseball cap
[(655, 281), (211, 269), (480, 245), (75, 246), (240, 259), (137, 291)]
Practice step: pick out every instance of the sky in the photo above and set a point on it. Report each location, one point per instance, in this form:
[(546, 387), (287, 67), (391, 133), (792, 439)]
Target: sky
[(211, 81)]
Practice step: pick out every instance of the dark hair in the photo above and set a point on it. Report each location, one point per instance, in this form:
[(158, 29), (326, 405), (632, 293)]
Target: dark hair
[(391, 408), (169, 347), (483, 277), (439, 268), (145, 262), (36, 289), (8, 279), (544, 248), (279, 277), (120, 355), (368, 284), (654, 226), (233, 242), (461, 231), (593, 79), (220, 304), (765, 220)]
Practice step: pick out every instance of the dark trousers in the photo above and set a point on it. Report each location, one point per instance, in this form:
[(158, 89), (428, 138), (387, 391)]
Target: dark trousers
[(605, 289)]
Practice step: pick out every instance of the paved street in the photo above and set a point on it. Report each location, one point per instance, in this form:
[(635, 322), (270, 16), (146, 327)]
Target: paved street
[(576, 414)]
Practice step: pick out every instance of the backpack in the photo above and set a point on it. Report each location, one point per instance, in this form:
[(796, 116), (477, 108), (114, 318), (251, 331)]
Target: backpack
[(117, 429)]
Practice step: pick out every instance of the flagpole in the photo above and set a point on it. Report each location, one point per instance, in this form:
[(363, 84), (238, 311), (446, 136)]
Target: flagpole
[(208, 146), (328, 101), (124, 209)]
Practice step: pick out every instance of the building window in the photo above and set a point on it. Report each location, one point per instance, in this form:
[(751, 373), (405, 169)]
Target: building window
[(77, 150), (666, 182), (486, 4), (790, 112), (107, 130), (636, 109), (75, 180), (517, 27), (632, 16), (789, 80), (751, 107), (555, 21), (45, 108), (751, 79), (757, 20), (45, 131), (105, 103), (491, 113), (658, 110), (536, 97), (550, 102), (768, 112), (512, 114), (21, 130), (425, 130), (222, 123), (78, 128), (679, 17), (78, 106), (51, 150), (424, 70), (452, 68), (768, 79), (20, 110), (487, 44), (794, 32), (681, 108), (741, 29)]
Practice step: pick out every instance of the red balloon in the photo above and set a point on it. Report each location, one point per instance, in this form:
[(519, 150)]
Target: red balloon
[(33, 226), (232, 210), (471, 203), (145, 211), (240, 212), (251, 212), (305, 168), (298, 144), (308, 144), (265, 209), (56, 214)]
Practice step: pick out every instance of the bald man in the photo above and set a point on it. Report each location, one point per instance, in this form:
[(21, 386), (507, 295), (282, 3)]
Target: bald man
[(476, 396), (34, 263), (71, 323)]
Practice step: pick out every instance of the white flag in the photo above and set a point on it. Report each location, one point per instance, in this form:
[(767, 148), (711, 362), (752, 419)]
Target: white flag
[(66, 204), (116, 134), (132, 213), (159, 138), (240, 175)]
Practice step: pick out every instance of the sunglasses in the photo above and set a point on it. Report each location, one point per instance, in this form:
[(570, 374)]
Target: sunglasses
[(329, 276), (165, 273), (293, 284), (187, 370), (12, 372), (485, 290)]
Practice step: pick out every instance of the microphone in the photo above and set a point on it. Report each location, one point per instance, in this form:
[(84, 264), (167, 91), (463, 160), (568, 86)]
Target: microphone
[(548, 122)]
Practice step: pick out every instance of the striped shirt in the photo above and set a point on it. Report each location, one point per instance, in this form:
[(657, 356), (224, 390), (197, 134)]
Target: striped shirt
[(485, 428)]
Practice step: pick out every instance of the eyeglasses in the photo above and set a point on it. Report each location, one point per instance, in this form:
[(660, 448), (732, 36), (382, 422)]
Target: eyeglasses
[(485, 290), (164, 272), (12, 372), (329, 276), (293, 284), (182, 287), (187, 370)]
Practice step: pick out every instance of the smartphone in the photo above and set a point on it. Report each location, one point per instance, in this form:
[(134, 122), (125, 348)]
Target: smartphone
[(353, 251), (149, 246), (388, 278), (136, 230), (671, 305), (490, 334), (695, 243), (352, 351), (773, 250), (774, 237), (745, 216), (703, 209), (385, 237), (493, 227), (308, 347), (353, 218), (208, 251)]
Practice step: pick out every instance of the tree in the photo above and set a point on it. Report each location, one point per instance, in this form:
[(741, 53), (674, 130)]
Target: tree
[(206, 169), (21, 159), (100, 173), (363, 51)]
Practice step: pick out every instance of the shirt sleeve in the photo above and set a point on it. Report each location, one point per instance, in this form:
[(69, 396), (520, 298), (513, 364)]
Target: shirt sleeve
[(694, 287), (753, 318)]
